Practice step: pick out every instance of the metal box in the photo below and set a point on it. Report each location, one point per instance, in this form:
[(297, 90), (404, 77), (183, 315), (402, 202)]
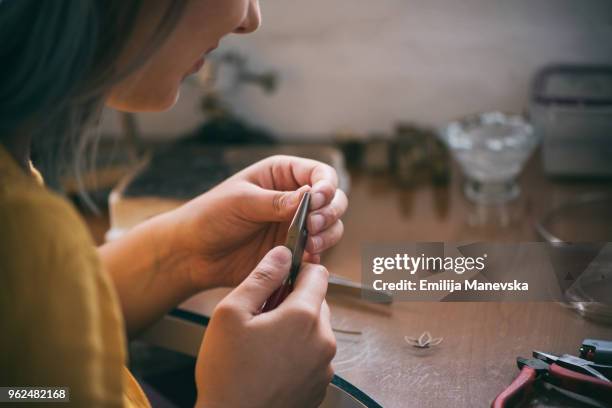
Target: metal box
[(571, 109)]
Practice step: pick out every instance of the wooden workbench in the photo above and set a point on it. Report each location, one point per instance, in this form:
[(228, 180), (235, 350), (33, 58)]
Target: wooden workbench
[(477, 358)]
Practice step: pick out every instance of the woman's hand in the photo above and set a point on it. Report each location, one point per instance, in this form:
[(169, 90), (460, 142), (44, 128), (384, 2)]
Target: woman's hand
[(215, 239), (226, 231), (279, 358)]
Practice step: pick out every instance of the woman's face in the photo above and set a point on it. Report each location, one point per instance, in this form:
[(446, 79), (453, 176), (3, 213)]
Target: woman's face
[(155, 85)]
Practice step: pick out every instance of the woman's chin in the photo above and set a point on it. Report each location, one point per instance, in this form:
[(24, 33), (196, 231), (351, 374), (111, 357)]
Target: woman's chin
[(150, 103), (162, 104)]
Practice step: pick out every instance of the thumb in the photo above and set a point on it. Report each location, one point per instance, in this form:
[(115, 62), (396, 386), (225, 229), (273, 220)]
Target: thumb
[(267, 276), (275, 206)]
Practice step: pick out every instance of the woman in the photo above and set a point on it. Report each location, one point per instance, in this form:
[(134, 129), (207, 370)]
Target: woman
[(64, 305)]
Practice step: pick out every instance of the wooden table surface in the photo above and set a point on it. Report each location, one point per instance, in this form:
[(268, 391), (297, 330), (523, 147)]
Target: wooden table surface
[(477, 357)]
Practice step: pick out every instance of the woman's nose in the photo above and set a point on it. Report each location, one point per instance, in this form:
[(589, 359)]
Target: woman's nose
[(252, 21)]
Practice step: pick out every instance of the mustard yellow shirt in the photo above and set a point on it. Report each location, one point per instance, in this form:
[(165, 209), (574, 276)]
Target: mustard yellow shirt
[(60, 321)]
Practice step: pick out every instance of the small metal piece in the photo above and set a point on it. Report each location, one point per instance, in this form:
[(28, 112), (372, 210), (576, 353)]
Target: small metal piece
[(344, 331), (425, 340)]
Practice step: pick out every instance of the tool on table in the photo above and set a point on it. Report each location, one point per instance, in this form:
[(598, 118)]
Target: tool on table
[(340, 285), (597, 351), (296, 241), (568, 372), (601, 371)]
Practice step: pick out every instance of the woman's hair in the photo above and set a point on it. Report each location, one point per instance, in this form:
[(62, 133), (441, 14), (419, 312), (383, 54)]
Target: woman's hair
[(58, 60)]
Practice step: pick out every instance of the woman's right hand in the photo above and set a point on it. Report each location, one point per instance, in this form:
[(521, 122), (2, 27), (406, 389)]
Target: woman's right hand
[(280, 358)]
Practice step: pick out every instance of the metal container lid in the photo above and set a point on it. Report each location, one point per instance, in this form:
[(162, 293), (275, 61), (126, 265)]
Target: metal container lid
[(574, 85)]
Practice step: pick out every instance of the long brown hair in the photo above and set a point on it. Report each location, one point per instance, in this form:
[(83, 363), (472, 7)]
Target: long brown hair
[(58, 60)]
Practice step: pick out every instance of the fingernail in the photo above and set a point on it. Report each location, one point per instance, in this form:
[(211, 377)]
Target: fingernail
[(317, 200), (317, 221), (316, 243), (281, 255)]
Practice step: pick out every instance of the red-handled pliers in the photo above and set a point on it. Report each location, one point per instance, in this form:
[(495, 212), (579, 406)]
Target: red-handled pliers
[(567, 372)]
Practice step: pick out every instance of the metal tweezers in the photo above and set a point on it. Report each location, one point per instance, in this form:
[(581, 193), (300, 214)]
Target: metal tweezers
[(296, 242)]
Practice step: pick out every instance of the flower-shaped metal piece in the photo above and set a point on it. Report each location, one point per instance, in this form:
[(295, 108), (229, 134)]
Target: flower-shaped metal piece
[(424, 341)]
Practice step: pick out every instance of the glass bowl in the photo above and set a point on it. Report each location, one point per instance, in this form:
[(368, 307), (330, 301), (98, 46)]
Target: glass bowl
[(491, 149)]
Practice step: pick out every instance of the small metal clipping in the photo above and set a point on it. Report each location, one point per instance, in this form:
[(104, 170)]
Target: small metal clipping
[(347, 331), (425, 340)]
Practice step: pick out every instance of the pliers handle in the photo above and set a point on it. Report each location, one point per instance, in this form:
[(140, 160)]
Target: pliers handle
[(532, 369), (518, 390), (581, 383)]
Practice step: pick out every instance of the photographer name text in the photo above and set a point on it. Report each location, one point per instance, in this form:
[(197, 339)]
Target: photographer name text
[(448, 285)]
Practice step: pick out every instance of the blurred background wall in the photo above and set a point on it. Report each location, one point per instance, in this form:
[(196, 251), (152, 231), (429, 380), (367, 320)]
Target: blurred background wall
[(361, 65)]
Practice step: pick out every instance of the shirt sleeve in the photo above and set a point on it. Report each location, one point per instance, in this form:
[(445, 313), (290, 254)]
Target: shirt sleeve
[(60, 322)]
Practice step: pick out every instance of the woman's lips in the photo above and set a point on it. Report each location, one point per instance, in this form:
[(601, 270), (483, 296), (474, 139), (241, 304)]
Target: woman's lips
[(197, 66), (199, 62)]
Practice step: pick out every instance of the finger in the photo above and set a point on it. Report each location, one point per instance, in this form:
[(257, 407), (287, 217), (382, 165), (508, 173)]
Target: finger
[(310, 288), (267, 276), (328, 215), (312, 258), (330, 374), (322, 194), (326, 239), (327, 331), (326, 326), (289, 173), (264, 205)]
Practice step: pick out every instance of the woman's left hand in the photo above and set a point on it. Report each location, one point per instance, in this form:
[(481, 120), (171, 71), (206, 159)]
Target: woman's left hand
[(225, 232)]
